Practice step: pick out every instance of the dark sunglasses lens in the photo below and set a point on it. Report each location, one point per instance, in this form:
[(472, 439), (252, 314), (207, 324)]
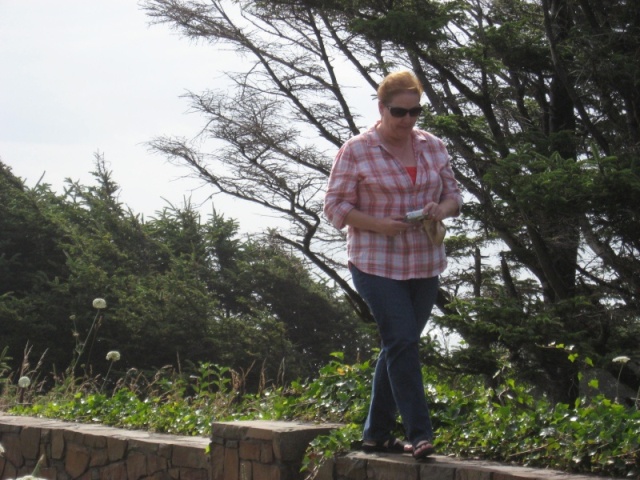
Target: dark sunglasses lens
[(398, 112), (401, 112)]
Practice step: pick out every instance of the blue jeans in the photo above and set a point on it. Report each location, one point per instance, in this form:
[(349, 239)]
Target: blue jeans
[(401, 309)]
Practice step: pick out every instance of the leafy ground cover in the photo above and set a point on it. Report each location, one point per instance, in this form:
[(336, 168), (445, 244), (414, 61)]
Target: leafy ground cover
[(471, 420)]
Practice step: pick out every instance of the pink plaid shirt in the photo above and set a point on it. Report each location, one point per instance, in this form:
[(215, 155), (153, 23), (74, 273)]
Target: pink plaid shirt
[(365, 176)]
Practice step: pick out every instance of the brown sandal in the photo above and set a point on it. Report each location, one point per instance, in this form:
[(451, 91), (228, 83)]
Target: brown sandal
[(392, 445), (422, 450)]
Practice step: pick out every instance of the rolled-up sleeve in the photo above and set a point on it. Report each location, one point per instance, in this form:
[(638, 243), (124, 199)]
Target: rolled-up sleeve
[(341, 196), (450, 188)]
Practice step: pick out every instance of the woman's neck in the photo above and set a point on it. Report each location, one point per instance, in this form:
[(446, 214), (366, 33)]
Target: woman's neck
[(388, 138), (400, 147)]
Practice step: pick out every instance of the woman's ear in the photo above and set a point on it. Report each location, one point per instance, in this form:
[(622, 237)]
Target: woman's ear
[(381, 108)]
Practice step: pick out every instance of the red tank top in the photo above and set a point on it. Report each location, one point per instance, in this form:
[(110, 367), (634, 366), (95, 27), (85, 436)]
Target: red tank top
[(413, 173)]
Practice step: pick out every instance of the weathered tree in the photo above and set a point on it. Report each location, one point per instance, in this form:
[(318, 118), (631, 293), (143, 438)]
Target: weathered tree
[(539, 102)]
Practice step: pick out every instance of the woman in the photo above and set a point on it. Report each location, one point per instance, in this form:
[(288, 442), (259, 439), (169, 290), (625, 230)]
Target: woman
[(378, 177)]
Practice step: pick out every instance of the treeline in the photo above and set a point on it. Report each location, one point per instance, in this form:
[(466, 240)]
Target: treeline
[(179, 289)]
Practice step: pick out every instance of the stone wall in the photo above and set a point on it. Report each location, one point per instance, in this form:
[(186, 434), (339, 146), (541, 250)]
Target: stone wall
[(252, 450), (72, 451), (256, 450), (261, 450)]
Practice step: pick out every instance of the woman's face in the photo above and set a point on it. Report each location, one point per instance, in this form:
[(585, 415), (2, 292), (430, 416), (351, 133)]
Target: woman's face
[(401, 113)]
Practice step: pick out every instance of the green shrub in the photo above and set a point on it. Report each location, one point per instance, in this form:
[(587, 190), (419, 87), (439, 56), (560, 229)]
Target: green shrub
[(507, 423)]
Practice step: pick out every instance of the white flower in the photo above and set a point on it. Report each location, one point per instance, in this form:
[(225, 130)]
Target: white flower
[(24, 382), (113, 356), (99, 303), (72, 318), (1, 450), (621, 359)]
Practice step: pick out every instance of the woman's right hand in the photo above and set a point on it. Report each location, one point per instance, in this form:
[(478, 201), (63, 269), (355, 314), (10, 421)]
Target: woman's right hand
[(392, 226)]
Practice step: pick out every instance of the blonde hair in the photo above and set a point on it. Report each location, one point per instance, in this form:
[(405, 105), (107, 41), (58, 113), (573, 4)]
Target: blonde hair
[(398, 82)]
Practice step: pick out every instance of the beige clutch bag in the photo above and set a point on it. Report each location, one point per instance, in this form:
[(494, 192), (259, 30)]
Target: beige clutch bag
[(435, 230)]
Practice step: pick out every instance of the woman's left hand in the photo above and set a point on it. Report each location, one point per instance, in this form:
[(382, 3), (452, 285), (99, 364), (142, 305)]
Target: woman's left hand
[(440, 211)]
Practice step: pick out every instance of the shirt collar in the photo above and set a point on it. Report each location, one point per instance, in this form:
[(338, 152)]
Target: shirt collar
[(375, 140)]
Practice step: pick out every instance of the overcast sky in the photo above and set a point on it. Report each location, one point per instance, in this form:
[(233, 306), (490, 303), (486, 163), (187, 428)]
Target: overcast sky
[(86, 76)]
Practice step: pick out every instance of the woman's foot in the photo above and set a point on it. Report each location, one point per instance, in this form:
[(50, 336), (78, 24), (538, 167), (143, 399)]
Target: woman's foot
[(392, 445), (422, 450)]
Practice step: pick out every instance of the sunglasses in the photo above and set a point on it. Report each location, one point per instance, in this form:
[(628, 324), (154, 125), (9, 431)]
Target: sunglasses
[(400, 112)]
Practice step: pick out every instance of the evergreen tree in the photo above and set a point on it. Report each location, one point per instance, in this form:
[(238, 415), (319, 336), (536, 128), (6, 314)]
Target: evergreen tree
[(538, 101), (179, 291)]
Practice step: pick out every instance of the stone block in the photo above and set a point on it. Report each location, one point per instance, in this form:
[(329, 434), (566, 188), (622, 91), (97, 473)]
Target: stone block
[(13, 450), (165, 451), (266, 452), (74, 436), (10, 428), (57, 444), (48, 472), (217, 462), (30, 442), (156, 463), (249, 450), (229, 430), (291, 472), (472, 474), (433, 471), (76, 460), (246, 470), (290, 446), (265, 430), (116, 449), (43, 461), (9, 471), (231, 464), (99, 457), (45, 435), (189, 457), (505, 476), (45, 443), (143, 446), (266, 472), (193, 474), (136, 465), (326, 470), (351, 468), (159, 476), (387, 470), (88, 475), (117, 470), (522, 473), (94, 441)]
